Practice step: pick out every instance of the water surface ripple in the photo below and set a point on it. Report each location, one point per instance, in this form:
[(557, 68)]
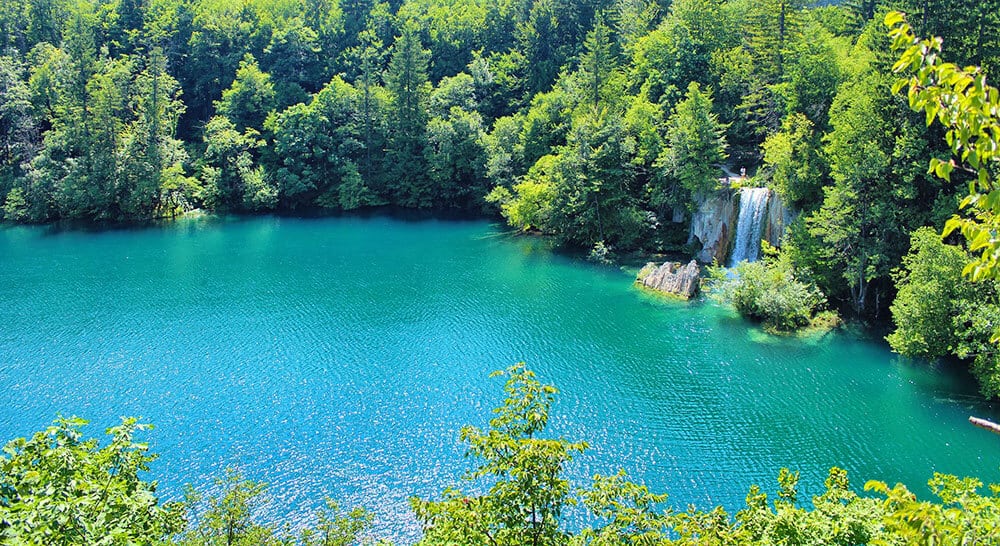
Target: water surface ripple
[(340, 357)]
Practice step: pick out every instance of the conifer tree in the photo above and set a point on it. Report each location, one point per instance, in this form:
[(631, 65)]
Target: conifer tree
[(597, 62), (406, 80)]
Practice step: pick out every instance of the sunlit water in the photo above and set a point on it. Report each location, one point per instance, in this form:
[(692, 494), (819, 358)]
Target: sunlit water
[(340, 356)]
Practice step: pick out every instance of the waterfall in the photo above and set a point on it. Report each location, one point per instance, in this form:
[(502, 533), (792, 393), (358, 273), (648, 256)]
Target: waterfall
[(753, 211)]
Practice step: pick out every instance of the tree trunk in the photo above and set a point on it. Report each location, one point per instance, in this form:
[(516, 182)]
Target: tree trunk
[(983, 423)]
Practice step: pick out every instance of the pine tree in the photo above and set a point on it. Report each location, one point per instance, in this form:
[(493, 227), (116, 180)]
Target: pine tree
[(597, 61), (695, 147), (406, 80), (772, 26)]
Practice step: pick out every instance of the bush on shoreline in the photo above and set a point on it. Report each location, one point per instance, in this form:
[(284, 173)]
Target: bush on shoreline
[(768, 291)]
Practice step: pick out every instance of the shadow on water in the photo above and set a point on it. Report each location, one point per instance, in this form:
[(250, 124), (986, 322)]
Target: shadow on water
[(387, 211), (201, 218), (943, 380), (948, 381)]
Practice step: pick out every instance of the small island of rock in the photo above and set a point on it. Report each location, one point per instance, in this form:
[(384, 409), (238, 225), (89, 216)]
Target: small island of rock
[(671, 278)]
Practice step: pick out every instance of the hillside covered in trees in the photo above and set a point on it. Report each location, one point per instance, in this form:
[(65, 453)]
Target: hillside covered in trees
[(600, 122)]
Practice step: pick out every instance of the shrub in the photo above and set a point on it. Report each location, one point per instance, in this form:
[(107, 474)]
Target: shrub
[(767, 291)]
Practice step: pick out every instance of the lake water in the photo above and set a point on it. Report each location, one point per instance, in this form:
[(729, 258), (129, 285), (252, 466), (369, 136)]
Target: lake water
[(340, 356)]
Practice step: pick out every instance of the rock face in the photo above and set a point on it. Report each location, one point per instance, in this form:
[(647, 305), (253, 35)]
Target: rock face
[(671, 278), (713, 226), (778, 218)]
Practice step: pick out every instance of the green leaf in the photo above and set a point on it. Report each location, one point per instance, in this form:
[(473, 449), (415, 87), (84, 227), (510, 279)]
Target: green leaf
[(893, 18)]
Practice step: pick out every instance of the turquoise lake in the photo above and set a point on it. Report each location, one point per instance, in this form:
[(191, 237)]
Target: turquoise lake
[(340, 356)]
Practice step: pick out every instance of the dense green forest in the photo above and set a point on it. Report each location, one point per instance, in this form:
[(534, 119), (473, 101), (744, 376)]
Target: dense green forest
[(602, 123)]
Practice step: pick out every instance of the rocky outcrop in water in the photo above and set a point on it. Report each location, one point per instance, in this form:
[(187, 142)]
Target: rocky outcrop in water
[(671, 277), (712, 226)]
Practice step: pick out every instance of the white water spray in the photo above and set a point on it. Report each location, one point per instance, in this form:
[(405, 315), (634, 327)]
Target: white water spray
[(749, 225)]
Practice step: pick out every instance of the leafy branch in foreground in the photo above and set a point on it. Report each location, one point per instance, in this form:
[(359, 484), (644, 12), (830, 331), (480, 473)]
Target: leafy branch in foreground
[(228, 517), (58, 488), (529, 493), (969, 108), (527, 496)]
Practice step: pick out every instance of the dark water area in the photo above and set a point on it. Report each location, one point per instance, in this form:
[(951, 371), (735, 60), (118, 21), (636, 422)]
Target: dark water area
[(339, 356)]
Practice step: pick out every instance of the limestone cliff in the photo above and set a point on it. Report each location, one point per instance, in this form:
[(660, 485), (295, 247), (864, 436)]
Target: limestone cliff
[(778, 218), (712, 227)]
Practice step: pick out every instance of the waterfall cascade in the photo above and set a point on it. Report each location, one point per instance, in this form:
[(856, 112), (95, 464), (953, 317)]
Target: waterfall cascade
[(749, 226)]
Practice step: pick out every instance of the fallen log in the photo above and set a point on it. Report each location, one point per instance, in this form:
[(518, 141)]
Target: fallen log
[(983, 423)]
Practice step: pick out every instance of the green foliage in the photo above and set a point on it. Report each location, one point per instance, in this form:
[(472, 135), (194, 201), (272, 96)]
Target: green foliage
[(319, 146), (628, 510), (595, 185), (679, 50), (457, 28), (154, 169), (530, 207), (57, 488), (877, 196), (929, 282), (939, 313), (455, 153), (633, 19), (812, 74), (838, 515), (18, 129), (544, 44), (228, 517), (600, 120), (335, 527), (527, 492), (695, 149), (792, 159), (15, 207), (546, 124), (643, 123), (504, 151), (773, 27), (962, 516), (406, 80), (293, 59), (767, 291), (969, 28), (231, 181), (110, 153), (967, 107), (250, 98), (597, 64)]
